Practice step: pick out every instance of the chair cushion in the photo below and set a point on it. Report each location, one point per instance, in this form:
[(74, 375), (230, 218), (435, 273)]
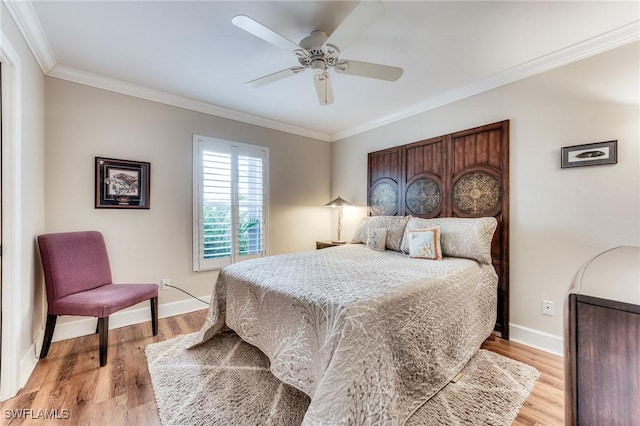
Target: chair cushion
[(103, 301), (73, 262)]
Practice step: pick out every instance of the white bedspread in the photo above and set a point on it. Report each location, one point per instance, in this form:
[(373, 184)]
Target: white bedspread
[(368, 335)]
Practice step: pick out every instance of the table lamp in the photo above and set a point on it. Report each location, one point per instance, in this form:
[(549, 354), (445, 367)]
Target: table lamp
[(338, 203)]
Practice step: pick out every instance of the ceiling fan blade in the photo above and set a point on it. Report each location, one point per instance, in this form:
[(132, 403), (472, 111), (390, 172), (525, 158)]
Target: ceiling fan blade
[(257, 29), (323, 88), (274, 77), (368, 69), (360, 18)]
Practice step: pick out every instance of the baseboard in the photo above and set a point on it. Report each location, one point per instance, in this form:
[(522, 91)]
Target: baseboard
[(87, 326), (536, 339), (27, 364)]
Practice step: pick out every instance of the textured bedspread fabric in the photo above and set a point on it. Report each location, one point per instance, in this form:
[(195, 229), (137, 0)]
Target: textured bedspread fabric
[(369, 335)]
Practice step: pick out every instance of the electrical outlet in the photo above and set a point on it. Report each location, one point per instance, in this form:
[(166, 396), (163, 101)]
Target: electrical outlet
[(547, 308), (165, 283)]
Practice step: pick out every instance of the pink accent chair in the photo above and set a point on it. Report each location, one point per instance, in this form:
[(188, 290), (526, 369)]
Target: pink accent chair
[(77, 276)]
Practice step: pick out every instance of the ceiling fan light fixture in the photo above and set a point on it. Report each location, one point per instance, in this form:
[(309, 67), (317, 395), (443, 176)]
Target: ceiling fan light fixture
[(320, 51)]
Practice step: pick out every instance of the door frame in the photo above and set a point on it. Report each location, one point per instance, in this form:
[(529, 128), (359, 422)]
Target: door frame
[(11, 207)]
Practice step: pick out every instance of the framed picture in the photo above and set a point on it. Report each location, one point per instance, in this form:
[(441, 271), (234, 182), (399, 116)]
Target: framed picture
[(591, 154), (122, 184)]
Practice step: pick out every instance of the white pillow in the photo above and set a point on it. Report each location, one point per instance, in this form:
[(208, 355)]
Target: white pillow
[(461, 237), (377, 238), (361, 233)]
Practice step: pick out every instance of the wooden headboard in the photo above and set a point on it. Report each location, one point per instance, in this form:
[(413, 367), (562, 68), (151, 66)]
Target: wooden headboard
[(463, 174)]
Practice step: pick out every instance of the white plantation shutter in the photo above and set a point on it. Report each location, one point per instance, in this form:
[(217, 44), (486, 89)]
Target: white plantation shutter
[(216, 204), (230, 202), (250, 202)]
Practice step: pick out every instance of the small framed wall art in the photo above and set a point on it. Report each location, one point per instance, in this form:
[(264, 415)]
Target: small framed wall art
[(592, 154), (122, 184)]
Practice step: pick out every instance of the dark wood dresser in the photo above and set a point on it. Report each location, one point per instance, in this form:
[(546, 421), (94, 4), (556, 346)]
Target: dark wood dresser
[(602, 341)]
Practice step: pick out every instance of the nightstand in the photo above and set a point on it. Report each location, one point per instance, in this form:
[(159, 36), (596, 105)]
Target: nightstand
[(325, 244)]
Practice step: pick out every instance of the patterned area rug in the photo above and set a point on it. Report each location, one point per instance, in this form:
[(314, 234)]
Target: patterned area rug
[(227, 381)]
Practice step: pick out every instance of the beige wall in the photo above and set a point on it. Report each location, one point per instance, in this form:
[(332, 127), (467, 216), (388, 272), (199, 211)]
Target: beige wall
[(27, 183), (146, 245), (559, 217)]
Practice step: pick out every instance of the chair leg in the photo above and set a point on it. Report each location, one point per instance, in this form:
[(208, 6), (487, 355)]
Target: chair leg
[(48, 335), (98, 326), (154, 315), (103, 326)]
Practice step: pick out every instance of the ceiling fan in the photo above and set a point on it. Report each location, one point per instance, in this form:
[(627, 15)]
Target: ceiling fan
[(320, 52)]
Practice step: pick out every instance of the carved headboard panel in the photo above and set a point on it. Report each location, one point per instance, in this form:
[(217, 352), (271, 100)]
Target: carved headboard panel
[(463, 174)]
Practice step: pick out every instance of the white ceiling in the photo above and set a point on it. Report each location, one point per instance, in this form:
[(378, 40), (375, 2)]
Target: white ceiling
[(188, 53)]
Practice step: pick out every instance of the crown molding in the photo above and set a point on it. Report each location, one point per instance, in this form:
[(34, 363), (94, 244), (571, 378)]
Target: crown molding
[(101, 82), (584, 49), (29, 25)]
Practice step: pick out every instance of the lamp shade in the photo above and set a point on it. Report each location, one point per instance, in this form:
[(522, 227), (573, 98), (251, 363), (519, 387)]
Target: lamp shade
[(338, 202)]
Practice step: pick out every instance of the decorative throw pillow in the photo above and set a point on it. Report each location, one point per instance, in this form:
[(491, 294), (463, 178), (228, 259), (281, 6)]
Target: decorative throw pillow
[(417, 223), (425, 243), (395, 234), (377, 238), (395, 226), (469, 238)]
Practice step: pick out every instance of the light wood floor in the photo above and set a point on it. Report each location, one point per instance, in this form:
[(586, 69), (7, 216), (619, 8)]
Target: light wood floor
[(121, 394)]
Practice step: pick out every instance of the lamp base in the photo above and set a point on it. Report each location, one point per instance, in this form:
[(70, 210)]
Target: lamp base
[(338, 242)]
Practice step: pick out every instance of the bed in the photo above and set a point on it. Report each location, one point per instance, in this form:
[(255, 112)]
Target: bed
[(369, 333)]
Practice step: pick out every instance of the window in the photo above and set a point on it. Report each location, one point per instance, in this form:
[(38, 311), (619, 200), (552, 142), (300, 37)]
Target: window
[(230, 192)]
